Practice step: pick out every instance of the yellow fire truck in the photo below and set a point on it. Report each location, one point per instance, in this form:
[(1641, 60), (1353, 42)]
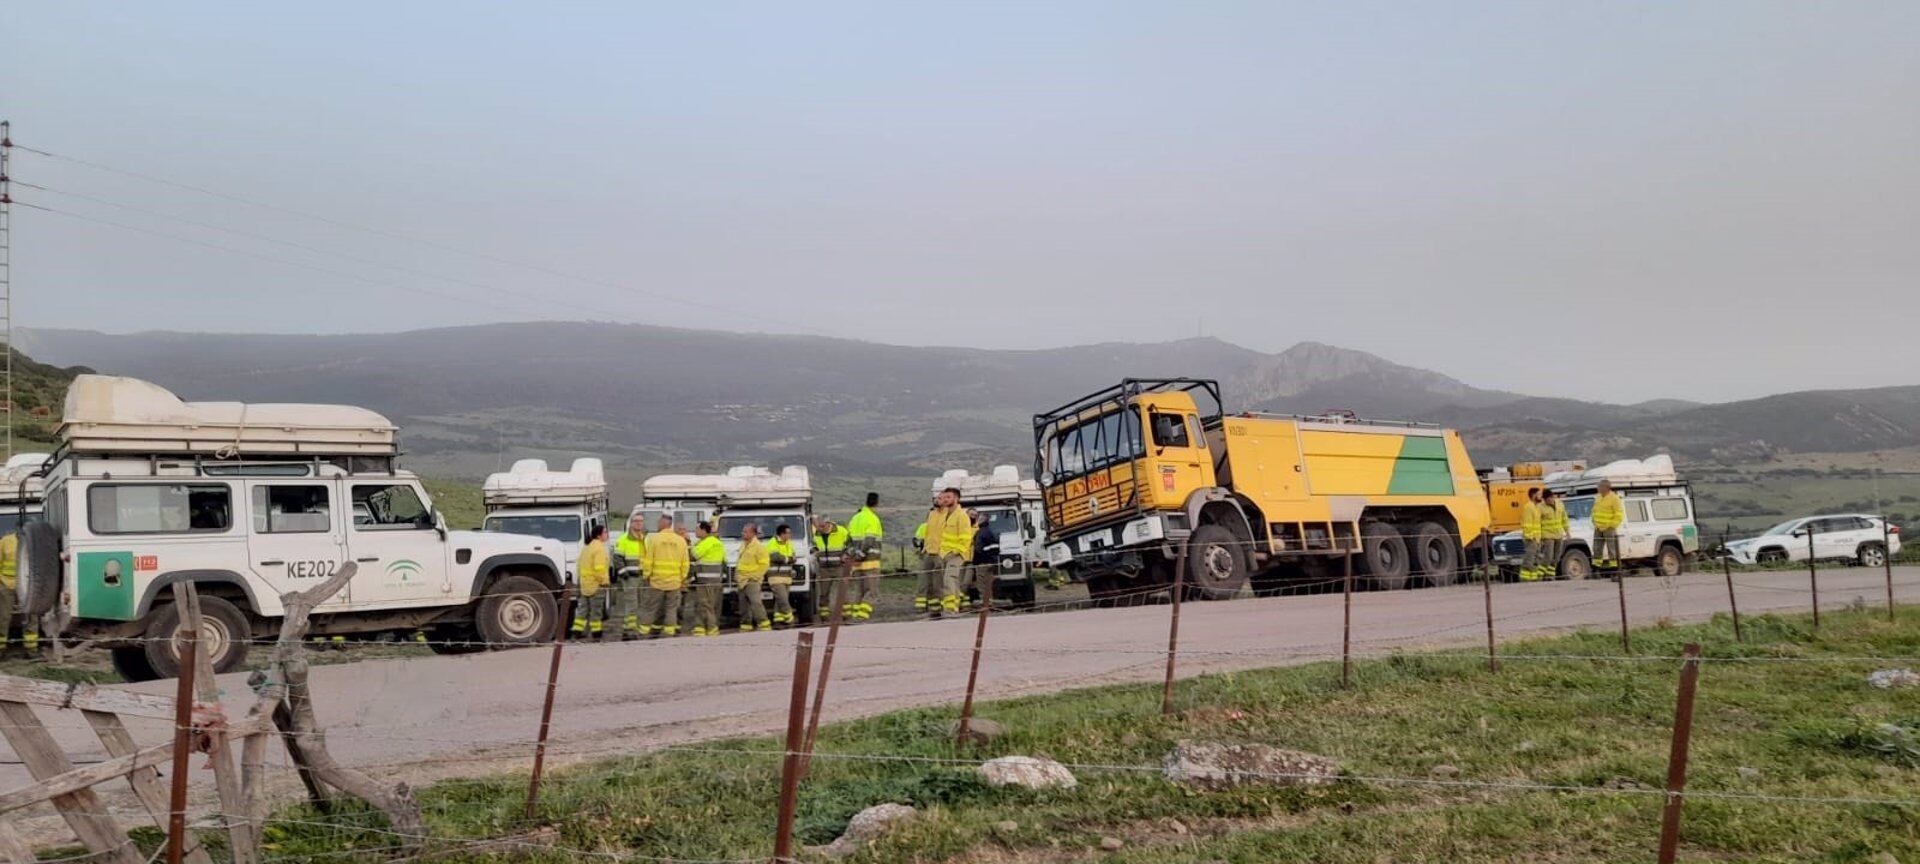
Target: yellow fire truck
[(1131, 473)]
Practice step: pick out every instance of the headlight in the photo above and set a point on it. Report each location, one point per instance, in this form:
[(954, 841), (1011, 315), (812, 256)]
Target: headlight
[(1046, 478)]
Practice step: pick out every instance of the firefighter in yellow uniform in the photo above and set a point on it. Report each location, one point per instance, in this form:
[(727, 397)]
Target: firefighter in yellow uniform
[(9, 582), (626, 552), (1530, 534), (949, 546), (1608, 515), (830, 556), (780, 575), (709, 580), (665, 562), (865, 532), (594, 590), (1553, 533), (748, 573)]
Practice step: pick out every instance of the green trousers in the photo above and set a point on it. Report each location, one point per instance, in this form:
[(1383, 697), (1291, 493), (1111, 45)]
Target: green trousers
[(706, 607), (753, 608), (660, 611)]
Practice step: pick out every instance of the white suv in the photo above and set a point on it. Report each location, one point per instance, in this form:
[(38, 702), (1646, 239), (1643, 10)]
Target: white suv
[(121, 529), (1857, 537)]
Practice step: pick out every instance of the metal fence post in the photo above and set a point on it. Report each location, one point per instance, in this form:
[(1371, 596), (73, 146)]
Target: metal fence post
[(1677, 755), (1813, 577), (1486, 587), (1626, 640), (1733, 603), (186, 651), (1346, 623), (546, 709), (790, 766), (826, 667), (973, 672), (1173, 629)]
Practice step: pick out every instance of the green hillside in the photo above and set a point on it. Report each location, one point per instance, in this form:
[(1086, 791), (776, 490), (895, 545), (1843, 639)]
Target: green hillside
[(39, 390)]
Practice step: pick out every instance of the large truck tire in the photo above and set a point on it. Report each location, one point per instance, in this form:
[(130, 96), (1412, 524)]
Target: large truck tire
[(1436, 553), (39, 571), (225, 637), (1216, 563), (517, 610), (1383, 556)]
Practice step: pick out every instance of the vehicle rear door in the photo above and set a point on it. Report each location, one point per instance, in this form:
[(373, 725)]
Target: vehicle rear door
[(1828, 537), (1671, 516), (1636, 536), (401, 556), (296, 535)]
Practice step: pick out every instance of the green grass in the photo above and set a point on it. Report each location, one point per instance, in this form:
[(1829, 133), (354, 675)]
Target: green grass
[(1807, 728)]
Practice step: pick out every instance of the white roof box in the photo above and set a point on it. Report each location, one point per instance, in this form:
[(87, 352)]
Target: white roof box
[(109, 414), (1003, 482), (1651, 471), (531, 482), (741, 484), (23, 468)]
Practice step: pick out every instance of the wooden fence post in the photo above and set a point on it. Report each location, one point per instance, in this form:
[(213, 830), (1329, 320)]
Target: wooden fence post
[(1173, 629), (1677, 754), (791, 764)]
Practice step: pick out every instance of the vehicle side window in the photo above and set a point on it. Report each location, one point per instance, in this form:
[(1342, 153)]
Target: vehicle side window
[(1637, 510), (155, 508), (1170, 430), (291, 510), (1669, 509), (388, 507), (1199, 434), (1858, 524)]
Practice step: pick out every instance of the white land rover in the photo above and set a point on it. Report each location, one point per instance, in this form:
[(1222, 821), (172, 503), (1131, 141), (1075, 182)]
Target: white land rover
[(251, 502)]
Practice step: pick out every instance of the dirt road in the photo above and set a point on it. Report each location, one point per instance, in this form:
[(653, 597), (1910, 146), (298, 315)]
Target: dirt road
[(425, 718)]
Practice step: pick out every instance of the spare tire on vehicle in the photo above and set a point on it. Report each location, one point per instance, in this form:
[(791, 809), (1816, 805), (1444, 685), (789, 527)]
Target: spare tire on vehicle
[(39, 568)]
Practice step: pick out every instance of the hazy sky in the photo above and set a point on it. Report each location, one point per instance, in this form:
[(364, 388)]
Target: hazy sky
[(1617, 201)]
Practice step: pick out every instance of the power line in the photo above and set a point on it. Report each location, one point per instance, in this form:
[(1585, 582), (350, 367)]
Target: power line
[(390, 234), (378, 283)]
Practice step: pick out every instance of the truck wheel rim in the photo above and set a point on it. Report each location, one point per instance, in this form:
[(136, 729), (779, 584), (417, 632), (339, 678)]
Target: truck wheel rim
[(519, 617), (213, 640), (1873, 557), (1217, 563)]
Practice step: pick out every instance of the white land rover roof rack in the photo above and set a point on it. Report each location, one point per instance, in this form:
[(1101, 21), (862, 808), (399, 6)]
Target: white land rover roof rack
[(741, 485), (24, 477), (107, 414), (1003, 483), (1651, 472), (530, 482)]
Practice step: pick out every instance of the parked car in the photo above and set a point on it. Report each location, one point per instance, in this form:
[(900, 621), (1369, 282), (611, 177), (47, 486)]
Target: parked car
[(1854, 537)]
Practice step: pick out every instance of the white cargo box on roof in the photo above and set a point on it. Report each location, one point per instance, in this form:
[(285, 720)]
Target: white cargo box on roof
[(742, 484), (111, 414), (1623, 473), (22, 479), (1003, 482), (529, 481)]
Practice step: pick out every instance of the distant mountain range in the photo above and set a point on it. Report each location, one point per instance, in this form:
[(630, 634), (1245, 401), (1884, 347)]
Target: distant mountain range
[(467, 396)]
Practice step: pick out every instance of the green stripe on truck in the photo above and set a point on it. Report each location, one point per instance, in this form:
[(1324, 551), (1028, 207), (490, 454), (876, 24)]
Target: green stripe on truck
[(1421, 468)]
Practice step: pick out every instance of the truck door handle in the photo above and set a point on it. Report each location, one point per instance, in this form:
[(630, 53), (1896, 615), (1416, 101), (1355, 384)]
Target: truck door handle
[(366, 560), (274, 563)]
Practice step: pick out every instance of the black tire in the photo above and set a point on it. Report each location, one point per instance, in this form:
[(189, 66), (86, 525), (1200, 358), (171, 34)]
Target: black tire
[(1436, 553), (131, 664), (1872, 555), (1576, 564), (39, 565), (225, 635), (452, 641), (1383, 557), (806, 607), (1216, 563), (1669, 562), (1771, 556), (517, 610)]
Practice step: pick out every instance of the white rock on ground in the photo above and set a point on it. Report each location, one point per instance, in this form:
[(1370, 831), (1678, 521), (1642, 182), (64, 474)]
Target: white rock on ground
[(1028, 772), (865, 827), (1209, 765), (1894, 679)]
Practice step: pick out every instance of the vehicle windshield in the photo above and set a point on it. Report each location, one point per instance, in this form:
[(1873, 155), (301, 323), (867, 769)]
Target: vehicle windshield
[(1579, 508), (1782, 528), (565, 529), (731, 524), (1095, 443), (1000, 520), (684, 518)]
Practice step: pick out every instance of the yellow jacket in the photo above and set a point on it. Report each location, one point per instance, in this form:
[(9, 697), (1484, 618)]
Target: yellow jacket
[(785, 575), (665, 561), (1530, 521), (950, 532), (593, 568), (1608, 513), (9, 560), (1553, 521), (753, 563)]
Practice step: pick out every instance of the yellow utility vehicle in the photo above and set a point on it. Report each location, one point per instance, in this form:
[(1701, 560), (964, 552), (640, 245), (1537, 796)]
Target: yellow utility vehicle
[(1507, 488), (1132, 474)]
